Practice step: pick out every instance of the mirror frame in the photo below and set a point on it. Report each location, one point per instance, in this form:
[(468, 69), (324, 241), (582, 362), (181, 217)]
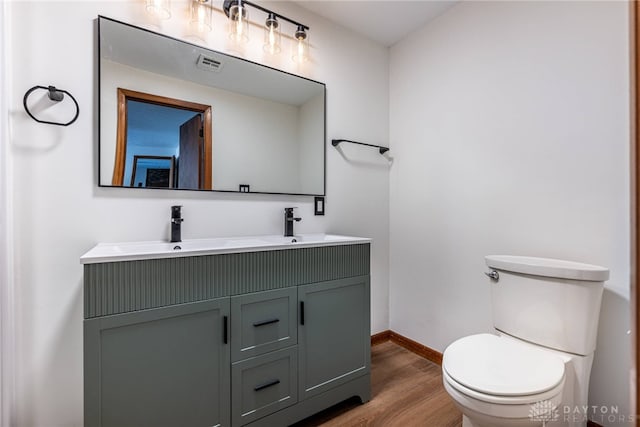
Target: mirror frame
[(209, 130)]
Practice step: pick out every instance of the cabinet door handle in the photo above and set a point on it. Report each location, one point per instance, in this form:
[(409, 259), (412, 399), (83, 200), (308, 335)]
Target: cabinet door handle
[(265, 385), (302, 312), (266, 322), (225, 327)]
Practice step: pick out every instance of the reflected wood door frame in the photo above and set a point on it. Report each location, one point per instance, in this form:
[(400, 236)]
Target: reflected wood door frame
[(125, 95)]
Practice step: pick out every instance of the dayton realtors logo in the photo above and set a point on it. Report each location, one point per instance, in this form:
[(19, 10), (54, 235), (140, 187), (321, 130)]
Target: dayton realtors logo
[(545, 411)]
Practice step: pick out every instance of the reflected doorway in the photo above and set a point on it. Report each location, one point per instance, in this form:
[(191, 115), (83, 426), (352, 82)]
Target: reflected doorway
[(162, 143)]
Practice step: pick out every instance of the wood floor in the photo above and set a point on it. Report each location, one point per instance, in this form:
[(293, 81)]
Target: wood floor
[(407, 391)]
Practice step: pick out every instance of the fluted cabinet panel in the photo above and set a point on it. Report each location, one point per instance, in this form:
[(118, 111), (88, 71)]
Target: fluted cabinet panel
[(126, 286)]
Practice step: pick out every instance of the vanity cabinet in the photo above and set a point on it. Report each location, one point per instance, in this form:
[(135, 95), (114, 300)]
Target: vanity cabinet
[(257, 338)]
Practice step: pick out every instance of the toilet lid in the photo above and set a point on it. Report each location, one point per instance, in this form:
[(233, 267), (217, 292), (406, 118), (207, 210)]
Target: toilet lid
[(498, 366)]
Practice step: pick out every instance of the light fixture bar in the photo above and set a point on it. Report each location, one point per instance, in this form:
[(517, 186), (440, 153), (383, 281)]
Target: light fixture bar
[(228, 3)]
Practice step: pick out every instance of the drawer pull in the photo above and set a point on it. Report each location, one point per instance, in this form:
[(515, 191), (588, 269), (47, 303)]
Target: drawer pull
[(302, 312), (266, 322), (265, 385), (225, 329)]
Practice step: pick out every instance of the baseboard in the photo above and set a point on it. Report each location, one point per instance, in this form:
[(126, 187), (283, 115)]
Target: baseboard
[(411, 345), (380, 337)]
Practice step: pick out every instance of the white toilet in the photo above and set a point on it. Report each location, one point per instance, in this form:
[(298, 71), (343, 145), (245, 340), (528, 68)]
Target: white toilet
[(535, 370)]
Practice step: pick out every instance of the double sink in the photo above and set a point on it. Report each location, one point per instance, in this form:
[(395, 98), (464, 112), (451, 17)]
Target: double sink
[(129, 251)]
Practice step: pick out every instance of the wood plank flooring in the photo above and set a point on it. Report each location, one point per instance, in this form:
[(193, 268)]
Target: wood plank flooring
[(407, 391)]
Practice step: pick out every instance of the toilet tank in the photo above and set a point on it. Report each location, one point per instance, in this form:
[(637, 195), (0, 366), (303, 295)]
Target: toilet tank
[(549, 302)]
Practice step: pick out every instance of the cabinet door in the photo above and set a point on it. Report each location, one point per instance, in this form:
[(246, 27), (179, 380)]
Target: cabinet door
[(334, 335), (162, 367)]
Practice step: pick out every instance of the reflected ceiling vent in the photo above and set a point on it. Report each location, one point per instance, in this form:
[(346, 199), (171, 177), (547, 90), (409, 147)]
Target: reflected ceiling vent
[(208, 63)]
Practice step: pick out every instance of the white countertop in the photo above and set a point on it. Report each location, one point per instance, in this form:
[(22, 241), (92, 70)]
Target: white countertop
[(130, 251)]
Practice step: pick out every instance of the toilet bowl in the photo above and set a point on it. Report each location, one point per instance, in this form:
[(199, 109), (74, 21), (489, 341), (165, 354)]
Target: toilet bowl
[(496, 381), (538, 364)]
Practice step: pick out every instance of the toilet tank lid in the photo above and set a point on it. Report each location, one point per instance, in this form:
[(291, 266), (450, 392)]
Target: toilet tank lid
[(548, 267)]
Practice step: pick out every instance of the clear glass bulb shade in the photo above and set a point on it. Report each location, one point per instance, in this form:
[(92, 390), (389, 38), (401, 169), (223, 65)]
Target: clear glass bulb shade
[(159, 8), (239, 23), (272, 37), (300, 49), (200, 16)]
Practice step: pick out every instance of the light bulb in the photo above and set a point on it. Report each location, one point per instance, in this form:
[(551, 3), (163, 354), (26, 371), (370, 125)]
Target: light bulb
[(159, 8), (239, 23), (200, 15), (272, 35), (301, 45)]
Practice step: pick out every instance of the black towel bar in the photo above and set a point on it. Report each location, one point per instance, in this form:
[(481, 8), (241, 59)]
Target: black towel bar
[(382, 150)]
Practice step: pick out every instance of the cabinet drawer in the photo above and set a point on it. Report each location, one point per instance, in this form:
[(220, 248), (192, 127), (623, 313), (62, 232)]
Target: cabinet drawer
[(263, 385), (263, 322)]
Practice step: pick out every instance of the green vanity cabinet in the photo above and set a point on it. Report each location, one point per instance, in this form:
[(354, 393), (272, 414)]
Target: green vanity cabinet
[(262, 338)]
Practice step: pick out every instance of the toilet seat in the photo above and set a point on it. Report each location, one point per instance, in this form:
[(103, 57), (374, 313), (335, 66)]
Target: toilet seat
[(501, 371), (490, 399)]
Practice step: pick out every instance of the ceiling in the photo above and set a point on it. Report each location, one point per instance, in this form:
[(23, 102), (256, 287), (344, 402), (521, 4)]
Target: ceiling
[(384, 21)]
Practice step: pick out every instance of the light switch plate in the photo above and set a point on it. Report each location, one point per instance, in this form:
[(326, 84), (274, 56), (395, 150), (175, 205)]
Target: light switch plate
[(318, 205)]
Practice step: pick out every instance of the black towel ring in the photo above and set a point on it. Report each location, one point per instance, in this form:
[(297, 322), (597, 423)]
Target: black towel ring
[(54, 95)]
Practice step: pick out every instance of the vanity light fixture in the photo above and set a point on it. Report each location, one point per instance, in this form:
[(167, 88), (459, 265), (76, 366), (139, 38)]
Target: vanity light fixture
[(238, 24), (238, 15), (201, 15), (159, 8)]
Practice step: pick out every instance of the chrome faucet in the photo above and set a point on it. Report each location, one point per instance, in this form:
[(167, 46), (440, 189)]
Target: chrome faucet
[(288, 222), (176, 223)]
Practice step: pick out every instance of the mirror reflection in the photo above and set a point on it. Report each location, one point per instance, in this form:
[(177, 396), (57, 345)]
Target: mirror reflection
[(153, 171), (151, 126), (174, 115)]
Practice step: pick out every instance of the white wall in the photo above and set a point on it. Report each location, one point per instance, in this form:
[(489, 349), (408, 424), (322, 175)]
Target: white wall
[(510, 132), (6, 231), (60, 212)]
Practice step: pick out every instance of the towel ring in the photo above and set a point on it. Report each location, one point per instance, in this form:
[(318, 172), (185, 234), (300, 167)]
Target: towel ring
[(56, 95)]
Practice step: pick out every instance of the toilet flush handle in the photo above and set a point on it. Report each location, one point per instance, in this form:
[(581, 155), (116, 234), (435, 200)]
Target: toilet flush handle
[(493, 275)]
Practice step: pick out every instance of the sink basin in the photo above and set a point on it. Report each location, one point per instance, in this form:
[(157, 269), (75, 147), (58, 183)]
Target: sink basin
[(307, 238), (130, 251)]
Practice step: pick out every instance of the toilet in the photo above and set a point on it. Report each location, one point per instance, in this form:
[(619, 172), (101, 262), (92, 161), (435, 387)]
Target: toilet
[(535, 369)]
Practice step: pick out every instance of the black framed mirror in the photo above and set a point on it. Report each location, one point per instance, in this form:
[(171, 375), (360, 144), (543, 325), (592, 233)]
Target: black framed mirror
[(226, 122)]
